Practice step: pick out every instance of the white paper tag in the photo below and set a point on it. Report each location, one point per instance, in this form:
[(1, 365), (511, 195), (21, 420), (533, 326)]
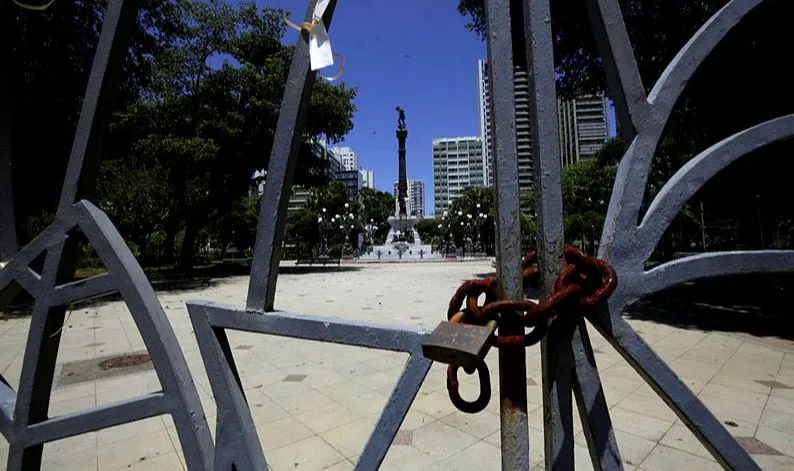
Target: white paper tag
[(320, 53), (320, 7)]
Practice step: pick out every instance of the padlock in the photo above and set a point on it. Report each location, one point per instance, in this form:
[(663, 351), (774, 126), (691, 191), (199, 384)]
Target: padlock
[(456, 344)]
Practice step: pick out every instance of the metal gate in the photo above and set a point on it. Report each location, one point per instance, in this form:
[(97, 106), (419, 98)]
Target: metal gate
[(569, 368)]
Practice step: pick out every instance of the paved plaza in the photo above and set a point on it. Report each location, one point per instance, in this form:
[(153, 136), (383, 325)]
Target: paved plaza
[(315, 404)]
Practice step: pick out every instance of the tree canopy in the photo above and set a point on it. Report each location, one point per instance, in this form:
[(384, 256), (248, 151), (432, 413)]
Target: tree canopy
[(376, 207), (201, 96)]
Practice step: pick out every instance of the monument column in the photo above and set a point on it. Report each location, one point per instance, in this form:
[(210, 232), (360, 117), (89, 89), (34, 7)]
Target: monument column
[(402, 183)]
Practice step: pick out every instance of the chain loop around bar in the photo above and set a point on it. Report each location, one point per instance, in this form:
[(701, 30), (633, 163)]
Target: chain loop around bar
[(584, 282)]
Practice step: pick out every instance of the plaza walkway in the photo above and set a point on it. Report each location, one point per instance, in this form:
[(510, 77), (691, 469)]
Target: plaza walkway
[(315, 404)]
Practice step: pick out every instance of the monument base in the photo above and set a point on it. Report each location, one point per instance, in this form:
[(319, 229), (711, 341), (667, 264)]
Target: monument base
[(396, 249)]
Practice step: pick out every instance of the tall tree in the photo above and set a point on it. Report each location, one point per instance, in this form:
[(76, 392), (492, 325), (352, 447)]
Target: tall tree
[(339, 212), (471, 217), (138, 200), (376, 207), (46, 60), (208, 116)]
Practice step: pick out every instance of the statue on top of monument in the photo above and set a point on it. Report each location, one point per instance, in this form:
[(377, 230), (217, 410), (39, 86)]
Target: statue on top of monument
[(401, 118)]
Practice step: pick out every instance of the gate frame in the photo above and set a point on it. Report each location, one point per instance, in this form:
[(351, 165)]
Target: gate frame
[(519, 35)]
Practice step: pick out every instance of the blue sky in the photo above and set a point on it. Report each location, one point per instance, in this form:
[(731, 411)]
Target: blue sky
[(413, 53)]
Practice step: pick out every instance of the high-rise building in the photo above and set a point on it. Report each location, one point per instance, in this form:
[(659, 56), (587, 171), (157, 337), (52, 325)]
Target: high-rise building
[(484, 114), (458, 163), (415, 206), (583, 127), (523, 130), (352, 181), (299, 197), (347, 157), (367, 179)]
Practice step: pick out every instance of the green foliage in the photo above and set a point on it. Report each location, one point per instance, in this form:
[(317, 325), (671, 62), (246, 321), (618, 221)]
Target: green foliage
[(47, 57), (199, 103), (340, 213), (741, 207), (376, 208), (332, 198), (88, 258), (528, 228), (465, 221), (34, 225), (137, 200), (586, 190), (237, 228), (428, 228), (336, 250), (209, 126), (657, 30), (303, 230), (198, 106)]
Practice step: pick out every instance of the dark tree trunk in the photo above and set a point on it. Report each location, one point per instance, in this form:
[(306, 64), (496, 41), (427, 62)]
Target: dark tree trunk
[(170, 243), (143, 254), (188, 247)]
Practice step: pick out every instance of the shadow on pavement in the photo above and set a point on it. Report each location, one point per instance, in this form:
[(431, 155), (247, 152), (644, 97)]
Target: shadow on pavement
[(759, 305), (303, 269)]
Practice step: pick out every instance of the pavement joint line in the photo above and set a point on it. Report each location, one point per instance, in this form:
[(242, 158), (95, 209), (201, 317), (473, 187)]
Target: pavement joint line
[(769, 394)]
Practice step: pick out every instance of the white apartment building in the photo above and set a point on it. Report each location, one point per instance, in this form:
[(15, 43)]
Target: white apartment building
[(458, 163), (347, 156), (367, 179)]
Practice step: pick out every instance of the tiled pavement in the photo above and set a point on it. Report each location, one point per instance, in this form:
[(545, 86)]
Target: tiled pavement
[(315, 404)]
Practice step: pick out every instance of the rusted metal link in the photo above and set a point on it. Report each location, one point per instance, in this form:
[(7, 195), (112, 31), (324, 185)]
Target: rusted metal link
[(469, 292), (583, 283), (453, 388), (607, 287)]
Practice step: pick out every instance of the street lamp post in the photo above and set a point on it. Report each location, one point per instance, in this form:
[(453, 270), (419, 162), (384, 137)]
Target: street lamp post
[(469, 230), (463, 233), (445, 233), (320, 227), (478, 225), (322, 221)]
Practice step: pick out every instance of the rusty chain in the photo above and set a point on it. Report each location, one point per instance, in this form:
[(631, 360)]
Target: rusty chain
[(584, 282)]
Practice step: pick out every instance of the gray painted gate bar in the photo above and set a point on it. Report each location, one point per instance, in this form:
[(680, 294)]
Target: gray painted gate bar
[(281, 169), (24, 416), (504, 19), (569, 368), (567, 360)]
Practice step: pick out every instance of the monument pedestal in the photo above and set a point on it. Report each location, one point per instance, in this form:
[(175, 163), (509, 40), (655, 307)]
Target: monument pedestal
[(396, 249), (402, 225)]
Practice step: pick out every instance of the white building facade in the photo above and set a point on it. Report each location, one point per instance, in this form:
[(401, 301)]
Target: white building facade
[(458, 163), (347, 157), (367, 179)]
